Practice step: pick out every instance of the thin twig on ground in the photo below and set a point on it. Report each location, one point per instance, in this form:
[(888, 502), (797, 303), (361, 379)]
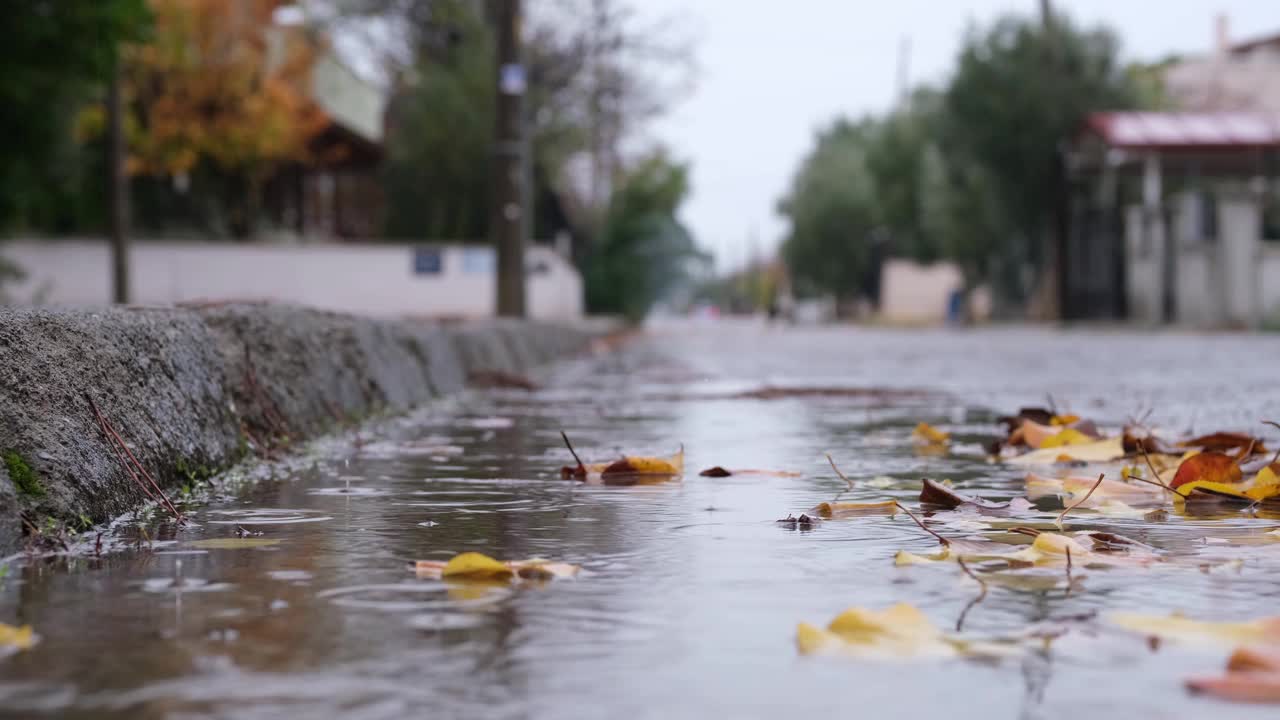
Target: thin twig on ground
[(1078, 503), (1275, 425), (846, 480), (111, 433), (572, 452), (982, 593), (923, 527)]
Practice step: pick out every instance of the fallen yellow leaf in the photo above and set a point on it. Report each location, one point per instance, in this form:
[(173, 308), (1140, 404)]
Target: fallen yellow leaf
[(478, 566), (899, 631), (1184, 629), (1068, 436), (852, 509), (926, 434), (13, 639), (1097, 451)]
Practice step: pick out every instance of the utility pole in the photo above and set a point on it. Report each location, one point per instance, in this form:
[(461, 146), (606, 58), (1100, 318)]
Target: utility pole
[(1059, 187), (506, 218), (904, 72), (117, 188)]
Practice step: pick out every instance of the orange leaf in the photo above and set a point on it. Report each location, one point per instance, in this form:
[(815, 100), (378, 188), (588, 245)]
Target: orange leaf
[(1212, 467)]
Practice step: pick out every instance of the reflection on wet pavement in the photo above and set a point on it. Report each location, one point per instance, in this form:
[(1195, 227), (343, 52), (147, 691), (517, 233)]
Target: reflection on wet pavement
[(690, 593)]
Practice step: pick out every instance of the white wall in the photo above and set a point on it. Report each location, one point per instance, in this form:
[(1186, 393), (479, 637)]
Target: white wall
[(1240, 231), (1269, 288), (915, 293), (1197, 301), (1144, 247), (368, 279)]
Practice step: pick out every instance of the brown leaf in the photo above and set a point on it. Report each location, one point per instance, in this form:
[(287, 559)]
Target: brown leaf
[(804, 522), (1137, 440), (774, 392), (500, 379), (1259, 687), (716, 471), (1208, 467), (1034, 414), (935, 493), (1248, 659), (1224, 441)]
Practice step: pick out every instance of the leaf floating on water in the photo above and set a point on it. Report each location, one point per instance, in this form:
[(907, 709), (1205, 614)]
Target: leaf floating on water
[(1048, 549), (1253, 675), (16, 639), (630, 470), (933, 492), (1263, 487), (1183, 629), (1224, 441), (901, 631), (1097, 451), (474, 566), (637, 465), (831, 510), (1208, 467), (804, 522), (897, 632), (233, 543), (926, 434), (1255, 687), (719, 471), (1067, 436)]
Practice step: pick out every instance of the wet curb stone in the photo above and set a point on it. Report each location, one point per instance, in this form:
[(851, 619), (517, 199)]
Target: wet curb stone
[(189, 388)]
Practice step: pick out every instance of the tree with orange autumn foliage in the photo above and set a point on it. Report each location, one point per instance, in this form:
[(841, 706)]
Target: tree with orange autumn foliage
[(221, 92)]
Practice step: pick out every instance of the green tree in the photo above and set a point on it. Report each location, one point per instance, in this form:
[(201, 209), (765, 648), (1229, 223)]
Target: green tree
[(643, 251), (833, 213), (1019, 92), (437, 169), (55, 56)]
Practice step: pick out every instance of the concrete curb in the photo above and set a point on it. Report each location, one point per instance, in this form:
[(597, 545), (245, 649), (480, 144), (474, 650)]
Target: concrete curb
[(192, 389)]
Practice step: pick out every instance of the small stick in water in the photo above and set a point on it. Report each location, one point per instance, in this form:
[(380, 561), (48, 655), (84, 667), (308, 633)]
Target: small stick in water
[(581, 469), (912, 515), (1077, 504), (846, 480)]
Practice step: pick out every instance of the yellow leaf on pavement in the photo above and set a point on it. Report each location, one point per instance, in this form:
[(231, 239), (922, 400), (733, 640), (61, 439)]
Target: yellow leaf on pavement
[(1096, 451), (1068, 436), (830, 510), (900, 631), (13, 639), (926, 434), (1184, 629), (476, 566)]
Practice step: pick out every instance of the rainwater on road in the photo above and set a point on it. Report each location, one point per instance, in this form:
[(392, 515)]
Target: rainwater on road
[(690, 592)]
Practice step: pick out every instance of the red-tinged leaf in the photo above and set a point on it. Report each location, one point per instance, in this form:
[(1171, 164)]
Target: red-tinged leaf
[(935, 493), (1254, 659), (1258, 687), (1224, 441), (1212, 467), (500, 379)]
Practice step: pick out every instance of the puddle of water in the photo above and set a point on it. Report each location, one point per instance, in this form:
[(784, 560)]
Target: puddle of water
[(690, 592)]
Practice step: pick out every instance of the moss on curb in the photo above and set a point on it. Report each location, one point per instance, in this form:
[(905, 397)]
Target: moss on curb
[(23, 477)]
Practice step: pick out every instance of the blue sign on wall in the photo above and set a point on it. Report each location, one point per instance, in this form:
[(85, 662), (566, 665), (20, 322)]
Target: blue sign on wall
[(427, 261)]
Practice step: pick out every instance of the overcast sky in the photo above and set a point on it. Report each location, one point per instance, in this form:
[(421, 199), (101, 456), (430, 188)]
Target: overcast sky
[(771, 72)]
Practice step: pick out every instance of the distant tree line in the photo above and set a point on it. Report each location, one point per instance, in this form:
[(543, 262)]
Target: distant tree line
[(968, 172)]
